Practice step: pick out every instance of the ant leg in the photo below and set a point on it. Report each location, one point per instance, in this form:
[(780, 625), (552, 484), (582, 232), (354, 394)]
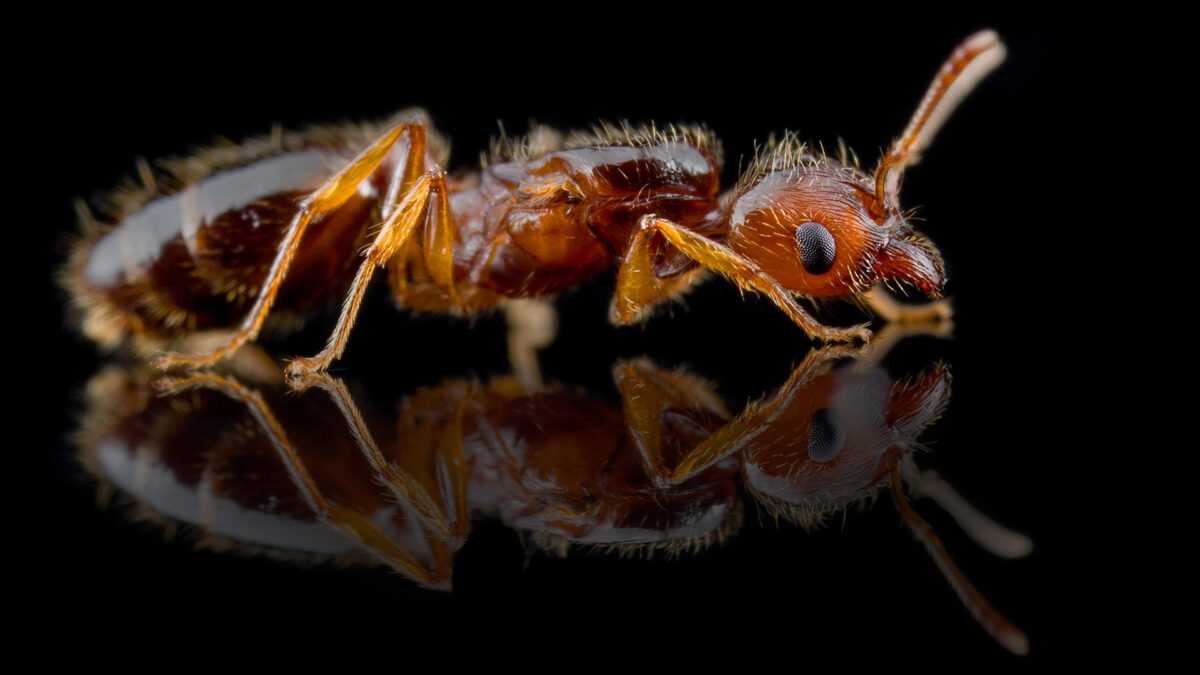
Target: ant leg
[(328, 197), (646, 391), (397, 229), (634, 277), (970, 62), (889, 309), (639, 289), (401, 483), (992, 621), (356, 525), (250, 363), (532, 325), (993, 537), (892, 334)]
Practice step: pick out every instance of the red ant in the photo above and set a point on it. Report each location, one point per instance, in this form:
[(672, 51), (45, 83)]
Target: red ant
[(268, 230), (261, 468)]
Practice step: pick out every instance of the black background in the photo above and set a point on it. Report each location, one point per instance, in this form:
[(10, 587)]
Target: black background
[(865, 592)]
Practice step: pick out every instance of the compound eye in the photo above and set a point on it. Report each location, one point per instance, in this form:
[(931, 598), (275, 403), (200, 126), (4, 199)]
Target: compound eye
[(817, 247), (825, 438)]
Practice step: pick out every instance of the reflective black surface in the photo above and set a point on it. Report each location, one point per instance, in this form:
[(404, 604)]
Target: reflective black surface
[(856, 589), (667, 471)]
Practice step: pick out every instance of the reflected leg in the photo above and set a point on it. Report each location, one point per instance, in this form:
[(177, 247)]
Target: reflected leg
[(352, 523), (403, 485), (643, 412), (1008, 635)]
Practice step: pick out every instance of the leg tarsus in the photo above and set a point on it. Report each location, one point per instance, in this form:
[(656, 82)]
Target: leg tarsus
[(891, 334), (250, 362), (889, 309)]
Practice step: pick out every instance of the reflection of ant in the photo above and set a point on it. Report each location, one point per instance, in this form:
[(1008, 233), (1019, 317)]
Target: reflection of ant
[(270, 229), (666, 472)]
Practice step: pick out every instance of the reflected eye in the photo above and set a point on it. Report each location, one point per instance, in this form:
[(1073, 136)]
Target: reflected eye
[(824, 438), (817, 247)]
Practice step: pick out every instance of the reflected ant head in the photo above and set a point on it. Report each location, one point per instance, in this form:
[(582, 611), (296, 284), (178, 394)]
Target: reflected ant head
[(838, 437)]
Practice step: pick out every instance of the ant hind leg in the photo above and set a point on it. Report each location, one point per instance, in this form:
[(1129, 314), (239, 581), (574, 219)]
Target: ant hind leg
[(353, 523), (329, 196)]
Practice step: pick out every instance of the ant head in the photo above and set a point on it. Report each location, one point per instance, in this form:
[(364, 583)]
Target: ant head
[(824, 228), (815, 224)]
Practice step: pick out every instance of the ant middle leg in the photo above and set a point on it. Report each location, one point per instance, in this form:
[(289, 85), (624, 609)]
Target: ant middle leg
[(445, 521), (426, 203), (532, 325), (643, 399), (332, 194)]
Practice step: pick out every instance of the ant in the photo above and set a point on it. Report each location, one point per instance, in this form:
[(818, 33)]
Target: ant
[(204, 255), (261, 468)]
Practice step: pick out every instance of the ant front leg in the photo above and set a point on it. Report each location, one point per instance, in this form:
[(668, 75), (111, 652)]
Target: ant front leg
[(646, 392), (332, 194), (639, 289), (425, 203), (889, 309), (637, 285), (1001, 630), (992, 536)]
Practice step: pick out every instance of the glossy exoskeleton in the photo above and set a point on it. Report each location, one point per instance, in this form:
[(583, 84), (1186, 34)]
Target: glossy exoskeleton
[(241, 237)]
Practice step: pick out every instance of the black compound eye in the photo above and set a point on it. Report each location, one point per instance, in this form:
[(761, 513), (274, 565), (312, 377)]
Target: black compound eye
[(817, 247), (825, 439)]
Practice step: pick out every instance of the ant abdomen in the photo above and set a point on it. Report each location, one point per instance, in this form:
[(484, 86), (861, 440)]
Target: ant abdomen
[(188, 249)]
